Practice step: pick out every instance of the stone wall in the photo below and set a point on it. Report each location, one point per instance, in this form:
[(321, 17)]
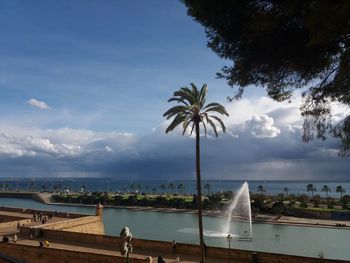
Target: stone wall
[(113, 243), (32, 254), (87, 224), (31, 211), (10, 221)]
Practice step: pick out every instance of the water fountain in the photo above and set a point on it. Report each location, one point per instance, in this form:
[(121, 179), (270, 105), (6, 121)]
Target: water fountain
[(240, 210)]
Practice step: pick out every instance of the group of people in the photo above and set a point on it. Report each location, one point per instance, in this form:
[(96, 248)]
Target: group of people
[(41, 217), (6, 238), (342, 225)]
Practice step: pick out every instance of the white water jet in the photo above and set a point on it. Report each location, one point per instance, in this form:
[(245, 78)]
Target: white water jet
[(240, 210)]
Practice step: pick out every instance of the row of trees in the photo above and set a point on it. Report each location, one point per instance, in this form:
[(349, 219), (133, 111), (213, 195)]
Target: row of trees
[(276, 204), (310, 188), (180, 187), (213, 202)]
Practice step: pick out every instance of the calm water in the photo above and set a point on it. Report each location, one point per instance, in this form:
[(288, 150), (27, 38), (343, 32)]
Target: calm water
[(113, 185), (307, 241)]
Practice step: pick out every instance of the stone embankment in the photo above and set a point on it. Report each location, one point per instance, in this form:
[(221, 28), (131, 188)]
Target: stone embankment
[(44, 198)]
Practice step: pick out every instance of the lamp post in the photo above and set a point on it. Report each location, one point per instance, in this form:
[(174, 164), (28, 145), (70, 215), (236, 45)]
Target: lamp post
[(229, 237)]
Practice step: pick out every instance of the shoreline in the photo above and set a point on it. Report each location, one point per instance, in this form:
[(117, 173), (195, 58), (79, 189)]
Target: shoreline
[(45, 198)]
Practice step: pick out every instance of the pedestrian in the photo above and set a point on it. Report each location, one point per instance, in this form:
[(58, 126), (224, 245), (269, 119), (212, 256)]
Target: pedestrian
[(14, 240), (160, 260), (31, 233), (173, 246)]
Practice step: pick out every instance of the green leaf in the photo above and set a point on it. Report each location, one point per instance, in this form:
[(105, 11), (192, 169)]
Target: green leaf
[(177, 120)]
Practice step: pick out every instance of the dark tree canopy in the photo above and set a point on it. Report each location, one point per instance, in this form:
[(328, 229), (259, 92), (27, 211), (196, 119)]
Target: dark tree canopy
[(284, 46)]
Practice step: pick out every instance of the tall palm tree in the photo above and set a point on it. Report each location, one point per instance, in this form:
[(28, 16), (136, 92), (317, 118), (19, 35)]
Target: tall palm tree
[(132, 187), (326, 189), (163, 187), (261, 189), (193, 111), (207, 186), (286, 190), (138, 188), (311, 188), (340, 190), (171, 187), (181, 188)]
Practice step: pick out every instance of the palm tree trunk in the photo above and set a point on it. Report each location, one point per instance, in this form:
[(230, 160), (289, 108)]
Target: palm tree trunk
[(199, 194)]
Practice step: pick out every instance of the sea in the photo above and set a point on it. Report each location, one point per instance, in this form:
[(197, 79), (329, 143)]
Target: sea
[(165, 186)]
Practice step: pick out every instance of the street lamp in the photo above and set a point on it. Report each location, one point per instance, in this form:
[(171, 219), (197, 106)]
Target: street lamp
[(229, 237)]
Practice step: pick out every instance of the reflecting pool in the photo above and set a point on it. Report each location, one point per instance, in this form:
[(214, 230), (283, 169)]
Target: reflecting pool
[(182, 227)]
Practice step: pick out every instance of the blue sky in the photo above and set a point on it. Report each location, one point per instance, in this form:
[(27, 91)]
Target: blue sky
[(84, 85)]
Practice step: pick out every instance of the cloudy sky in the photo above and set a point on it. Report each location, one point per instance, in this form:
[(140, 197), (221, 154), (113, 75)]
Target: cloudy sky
[(84, 85)]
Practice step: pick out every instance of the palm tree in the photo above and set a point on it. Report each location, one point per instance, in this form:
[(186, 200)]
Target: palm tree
[(326, 189), (311, 188), (32, 184), (171, 187), (163, 187), (181, 188), (340, 190), (261, 189), (207, 186), (192, 110), (138, 188), (286, 190)]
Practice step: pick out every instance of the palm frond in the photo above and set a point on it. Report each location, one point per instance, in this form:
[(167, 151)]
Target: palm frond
[(174, 110), (220, 109), (177, 120), (213, 104), (219, 121), (205, 129), (178, 100), (185, 94), (202, 95), (195, 92), (194, 125), (186, 123), (213, 126)]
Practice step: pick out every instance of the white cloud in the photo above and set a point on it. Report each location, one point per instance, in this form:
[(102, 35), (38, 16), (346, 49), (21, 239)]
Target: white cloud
[(38, 104), (63, 142), (242, 110), (108, 149), (261, 127)]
